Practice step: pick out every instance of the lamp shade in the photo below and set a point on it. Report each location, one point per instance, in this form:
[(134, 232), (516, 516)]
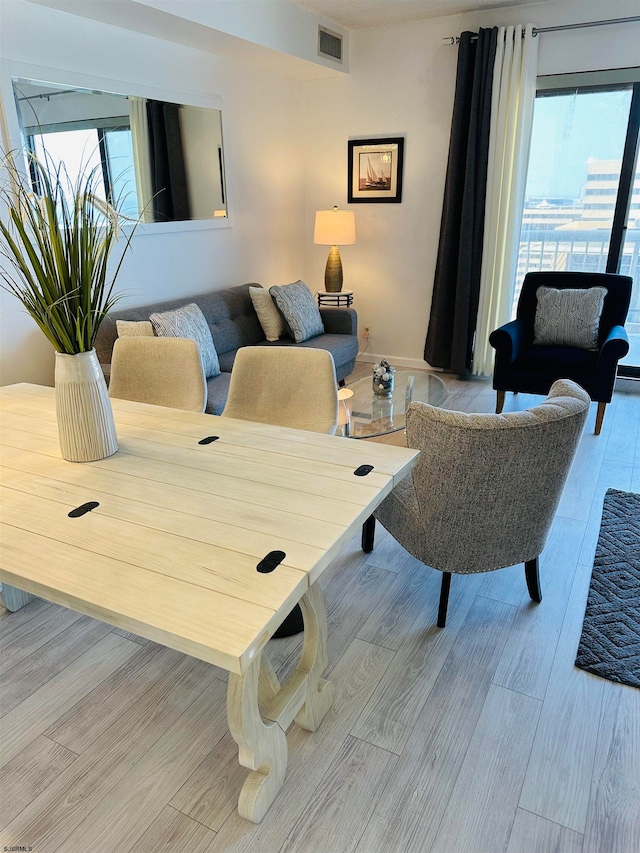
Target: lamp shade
[(335, 227)]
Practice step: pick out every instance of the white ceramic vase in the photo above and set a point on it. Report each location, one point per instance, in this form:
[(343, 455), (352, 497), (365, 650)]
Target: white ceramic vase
[(85, 419)]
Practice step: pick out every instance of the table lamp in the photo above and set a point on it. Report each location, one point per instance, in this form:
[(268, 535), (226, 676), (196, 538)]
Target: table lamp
[(334, 228)]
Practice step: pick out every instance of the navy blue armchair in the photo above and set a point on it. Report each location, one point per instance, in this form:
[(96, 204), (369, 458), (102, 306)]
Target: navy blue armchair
[(522, 366)]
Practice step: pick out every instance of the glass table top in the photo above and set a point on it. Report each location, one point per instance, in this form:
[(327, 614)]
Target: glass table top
[(368, 415)]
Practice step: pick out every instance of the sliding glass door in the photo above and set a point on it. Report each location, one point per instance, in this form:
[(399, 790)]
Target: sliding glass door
[(582, 202)]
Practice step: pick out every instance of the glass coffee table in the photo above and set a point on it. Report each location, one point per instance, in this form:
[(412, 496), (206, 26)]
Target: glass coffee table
[(368, 415)]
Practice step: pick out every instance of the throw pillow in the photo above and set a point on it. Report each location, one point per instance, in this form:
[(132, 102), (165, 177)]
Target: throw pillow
[(298, 307), (134, 328), (189, 322), (568, 318), (269, 316)]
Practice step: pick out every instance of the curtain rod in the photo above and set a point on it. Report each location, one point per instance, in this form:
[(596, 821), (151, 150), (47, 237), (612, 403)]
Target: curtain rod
[(456, 39)]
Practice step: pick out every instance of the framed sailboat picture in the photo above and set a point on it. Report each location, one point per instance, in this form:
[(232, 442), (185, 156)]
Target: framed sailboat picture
[(375, 170)]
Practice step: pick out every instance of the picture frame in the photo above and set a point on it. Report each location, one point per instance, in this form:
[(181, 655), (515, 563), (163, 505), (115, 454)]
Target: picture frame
[(374, 170)]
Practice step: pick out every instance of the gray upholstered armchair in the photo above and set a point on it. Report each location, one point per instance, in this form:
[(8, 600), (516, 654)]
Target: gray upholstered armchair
[(486, 487)]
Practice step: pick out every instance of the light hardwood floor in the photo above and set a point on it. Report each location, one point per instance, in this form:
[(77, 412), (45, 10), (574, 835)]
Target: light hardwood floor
[(479, 737)]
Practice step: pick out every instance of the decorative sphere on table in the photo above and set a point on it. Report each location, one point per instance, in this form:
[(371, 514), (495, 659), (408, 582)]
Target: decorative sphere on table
[(383, 378)]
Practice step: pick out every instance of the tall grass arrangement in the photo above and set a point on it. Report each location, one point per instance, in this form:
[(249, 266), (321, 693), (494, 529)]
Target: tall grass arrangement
[(58, 241)]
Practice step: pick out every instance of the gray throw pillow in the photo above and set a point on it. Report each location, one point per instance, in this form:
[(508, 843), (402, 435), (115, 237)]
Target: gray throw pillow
[(298, 306), (189, 322), (568, 318)]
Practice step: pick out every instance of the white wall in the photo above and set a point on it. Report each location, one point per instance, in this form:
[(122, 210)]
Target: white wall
[(401, 82), (263, 156)]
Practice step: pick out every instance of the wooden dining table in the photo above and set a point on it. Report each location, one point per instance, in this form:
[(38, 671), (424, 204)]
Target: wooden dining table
[(200, 533)]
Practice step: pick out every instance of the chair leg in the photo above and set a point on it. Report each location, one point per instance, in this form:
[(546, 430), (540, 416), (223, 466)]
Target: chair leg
[(444, 599), (500, 395), (341, 383), (532, 574), (368, 534), (600, 417)]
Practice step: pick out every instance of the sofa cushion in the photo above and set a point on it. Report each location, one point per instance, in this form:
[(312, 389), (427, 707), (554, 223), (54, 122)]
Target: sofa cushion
[(269, 316), (135, 328), (343, 348), (299, 309), (569, 317), (217, 391), (189, 322)]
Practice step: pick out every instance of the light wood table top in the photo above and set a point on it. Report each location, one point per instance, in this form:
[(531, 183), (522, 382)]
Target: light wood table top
[(171, 550)]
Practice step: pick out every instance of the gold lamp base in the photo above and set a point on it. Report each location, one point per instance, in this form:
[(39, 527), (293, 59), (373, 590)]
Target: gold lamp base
[(333, 272)]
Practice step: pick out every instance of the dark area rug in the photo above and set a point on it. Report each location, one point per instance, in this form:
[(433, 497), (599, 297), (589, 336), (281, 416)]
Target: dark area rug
[(610, 641)]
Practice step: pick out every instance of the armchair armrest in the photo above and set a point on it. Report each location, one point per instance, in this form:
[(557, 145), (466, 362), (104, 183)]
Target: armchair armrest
[(340, 321), (615, 346), (508, 340), (161, 371)]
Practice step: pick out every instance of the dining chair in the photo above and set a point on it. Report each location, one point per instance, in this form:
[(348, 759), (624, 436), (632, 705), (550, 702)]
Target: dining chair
[(486, 487), (285, 386), (161, 371)]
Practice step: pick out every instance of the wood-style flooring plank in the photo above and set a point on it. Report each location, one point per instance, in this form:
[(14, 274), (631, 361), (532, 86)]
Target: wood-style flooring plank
[(51, 818), (9, 622), (210, 794), (417, 794), (529, 654), (356, 776), (394, 617), (390, 716), (581, 485), (621, 444), (34, 671), (143, 792), (89, 718), (173, 832), (533, 834), (386, 554), (27, 775), (558, 779), (35, 714), (613, 819), (506, 584), (31, 635), (483, 804), (613, 475)]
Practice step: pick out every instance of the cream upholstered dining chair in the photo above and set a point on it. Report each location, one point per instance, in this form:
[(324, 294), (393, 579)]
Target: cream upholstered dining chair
[(486, 487), (162, 371), (286, 386)]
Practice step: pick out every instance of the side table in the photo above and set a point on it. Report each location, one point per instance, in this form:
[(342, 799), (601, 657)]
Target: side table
[(341, 299)]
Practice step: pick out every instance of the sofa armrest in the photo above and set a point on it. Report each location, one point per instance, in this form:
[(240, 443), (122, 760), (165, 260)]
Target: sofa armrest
[(340, 321), (508, 340)]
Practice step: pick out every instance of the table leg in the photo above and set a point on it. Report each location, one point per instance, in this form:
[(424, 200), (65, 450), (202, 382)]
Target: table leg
[(305, 698), (313, 661), (14, 598), (263, 744)]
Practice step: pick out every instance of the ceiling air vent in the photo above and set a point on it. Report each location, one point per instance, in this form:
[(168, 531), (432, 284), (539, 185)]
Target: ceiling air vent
[(329, 44)]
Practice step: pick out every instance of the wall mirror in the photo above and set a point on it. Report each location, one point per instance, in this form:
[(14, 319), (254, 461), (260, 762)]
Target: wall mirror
[(163, 161)]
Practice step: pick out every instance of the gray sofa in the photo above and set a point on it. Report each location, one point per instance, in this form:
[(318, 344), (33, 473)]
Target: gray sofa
[(234, 324)]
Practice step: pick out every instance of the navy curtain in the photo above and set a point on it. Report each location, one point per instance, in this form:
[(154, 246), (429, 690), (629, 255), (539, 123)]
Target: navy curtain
[(168, 171), (456, 287)]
